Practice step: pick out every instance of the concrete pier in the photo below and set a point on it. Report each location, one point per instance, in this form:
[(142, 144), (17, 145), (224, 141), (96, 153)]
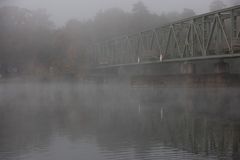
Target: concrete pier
[(187, 68), (222, 67)]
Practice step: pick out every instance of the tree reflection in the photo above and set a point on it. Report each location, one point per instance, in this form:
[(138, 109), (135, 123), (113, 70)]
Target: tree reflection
[(120, 118)]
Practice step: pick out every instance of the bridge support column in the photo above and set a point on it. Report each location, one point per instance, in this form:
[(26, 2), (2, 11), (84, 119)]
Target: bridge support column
[(222, 67), (187, 68)]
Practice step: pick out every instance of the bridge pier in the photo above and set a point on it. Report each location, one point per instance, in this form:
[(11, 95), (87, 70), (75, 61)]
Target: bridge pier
[(210, 73), (222, 67), (187, 68)]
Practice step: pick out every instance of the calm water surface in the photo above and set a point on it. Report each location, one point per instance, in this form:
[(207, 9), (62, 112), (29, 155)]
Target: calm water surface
[(72, 121)]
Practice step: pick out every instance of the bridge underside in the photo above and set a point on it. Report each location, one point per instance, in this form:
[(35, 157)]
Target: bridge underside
[(198, 73)]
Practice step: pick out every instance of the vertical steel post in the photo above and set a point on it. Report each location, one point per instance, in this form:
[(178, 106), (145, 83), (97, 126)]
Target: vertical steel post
[(233, 29)]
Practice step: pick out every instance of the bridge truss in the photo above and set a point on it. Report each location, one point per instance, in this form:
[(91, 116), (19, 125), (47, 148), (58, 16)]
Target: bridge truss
[(212, 35)]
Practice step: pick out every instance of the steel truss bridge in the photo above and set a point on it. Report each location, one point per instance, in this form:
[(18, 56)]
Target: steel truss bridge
[(208, 36)]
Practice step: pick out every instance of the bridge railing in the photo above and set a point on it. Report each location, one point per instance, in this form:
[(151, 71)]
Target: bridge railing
[(215, 34)]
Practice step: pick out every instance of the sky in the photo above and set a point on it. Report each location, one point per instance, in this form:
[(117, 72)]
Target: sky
[(63, 10)]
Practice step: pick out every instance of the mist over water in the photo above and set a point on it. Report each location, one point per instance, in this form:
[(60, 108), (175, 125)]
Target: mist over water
[(74, 86), (92, 121)]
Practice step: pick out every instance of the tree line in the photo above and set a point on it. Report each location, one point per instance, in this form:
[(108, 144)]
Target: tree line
[(31, 45)]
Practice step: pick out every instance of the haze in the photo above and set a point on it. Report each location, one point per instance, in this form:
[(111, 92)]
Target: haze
[(62, 11), (119, 79)]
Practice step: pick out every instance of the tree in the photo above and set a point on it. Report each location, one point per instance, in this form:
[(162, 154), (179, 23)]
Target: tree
[(187, 13), (235, 2), (217, 5), (25, 36), (140, 8), (110, 23)]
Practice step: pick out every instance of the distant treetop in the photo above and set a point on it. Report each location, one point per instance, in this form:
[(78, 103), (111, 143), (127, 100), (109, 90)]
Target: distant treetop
[(216, 5), (140, 8), (235, 2)]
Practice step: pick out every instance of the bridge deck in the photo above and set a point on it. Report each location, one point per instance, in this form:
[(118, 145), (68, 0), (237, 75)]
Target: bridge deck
[(187, 59)]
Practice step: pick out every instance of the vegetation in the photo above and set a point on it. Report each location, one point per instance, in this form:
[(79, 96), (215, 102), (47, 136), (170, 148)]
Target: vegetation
[(216, 5), (31, 44)]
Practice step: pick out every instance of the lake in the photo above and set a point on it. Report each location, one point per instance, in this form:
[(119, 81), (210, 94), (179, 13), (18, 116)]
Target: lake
[(87, 121)]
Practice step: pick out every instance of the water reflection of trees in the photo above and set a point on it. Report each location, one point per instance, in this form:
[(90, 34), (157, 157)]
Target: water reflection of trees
[(119, 117), (189, 132), (211, 130)]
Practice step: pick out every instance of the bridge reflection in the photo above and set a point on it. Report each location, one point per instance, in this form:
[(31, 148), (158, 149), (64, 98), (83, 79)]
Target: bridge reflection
[(125, 122)]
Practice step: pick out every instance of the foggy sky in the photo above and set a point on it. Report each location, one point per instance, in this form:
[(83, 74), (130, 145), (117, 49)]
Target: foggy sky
[(63, 10)]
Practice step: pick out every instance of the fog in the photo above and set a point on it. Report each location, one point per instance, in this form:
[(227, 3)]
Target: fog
[(63, 10), (56, 121), (119, 79)]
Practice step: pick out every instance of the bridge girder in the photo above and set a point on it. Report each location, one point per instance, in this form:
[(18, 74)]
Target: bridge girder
[(212, 35)]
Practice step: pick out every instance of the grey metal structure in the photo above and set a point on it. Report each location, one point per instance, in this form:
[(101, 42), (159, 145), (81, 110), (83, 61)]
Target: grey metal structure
[(212, 35)]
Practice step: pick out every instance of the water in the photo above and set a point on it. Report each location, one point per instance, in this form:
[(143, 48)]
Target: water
[(59, 121)]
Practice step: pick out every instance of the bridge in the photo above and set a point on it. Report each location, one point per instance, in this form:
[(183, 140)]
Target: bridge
[(210, 36)]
